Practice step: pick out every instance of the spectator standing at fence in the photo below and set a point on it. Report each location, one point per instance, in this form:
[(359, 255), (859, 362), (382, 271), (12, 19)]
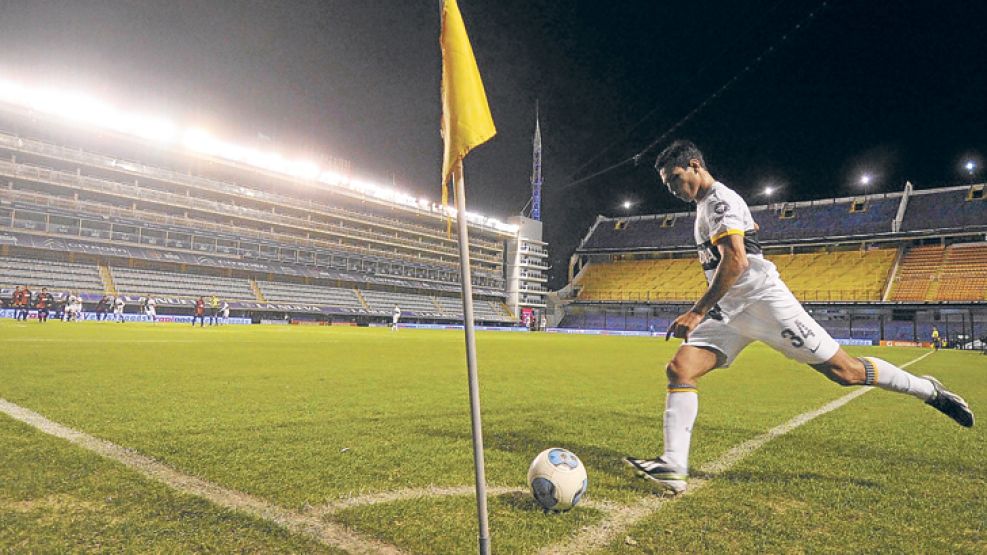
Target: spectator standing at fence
[(43, 304), (935, 338), (200, 312)]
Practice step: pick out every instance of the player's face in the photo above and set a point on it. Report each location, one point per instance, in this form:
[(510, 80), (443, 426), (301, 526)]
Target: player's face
[(681, 182)]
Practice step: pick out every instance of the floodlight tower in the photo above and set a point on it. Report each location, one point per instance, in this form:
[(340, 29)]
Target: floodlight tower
[(527, 255), (536, 171)]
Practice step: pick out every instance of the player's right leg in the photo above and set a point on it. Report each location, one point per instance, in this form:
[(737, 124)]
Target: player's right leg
[(712, 344)]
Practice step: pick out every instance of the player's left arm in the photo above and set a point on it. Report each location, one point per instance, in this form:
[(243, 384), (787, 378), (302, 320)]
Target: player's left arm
[(733, 263)]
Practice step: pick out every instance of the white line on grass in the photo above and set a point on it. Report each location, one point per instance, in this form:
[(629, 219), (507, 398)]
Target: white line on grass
[(429, 491), (601, 535), (309, 525)]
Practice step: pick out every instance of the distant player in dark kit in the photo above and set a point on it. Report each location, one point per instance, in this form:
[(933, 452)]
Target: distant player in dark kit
[(43, 304), (200, 312), (22, 302), (102, 307)]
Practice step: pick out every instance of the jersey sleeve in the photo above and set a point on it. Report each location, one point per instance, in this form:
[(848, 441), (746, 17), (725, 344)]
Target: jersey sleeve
[(727, 215)]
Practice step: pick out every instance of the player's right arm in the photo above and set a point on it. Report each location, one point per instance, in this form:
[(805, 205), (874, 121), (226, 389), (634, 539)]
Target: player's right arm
[(733, 263)]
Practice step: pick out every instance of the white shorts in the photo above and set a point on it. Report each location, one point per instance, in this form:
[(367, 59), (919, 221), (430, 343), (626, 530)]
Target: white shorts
[(777, 319), (150, 312)]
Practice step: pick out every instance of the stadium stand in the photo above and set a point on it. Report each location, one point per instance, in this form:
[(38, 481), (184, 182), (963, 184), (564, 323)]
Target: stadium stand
[(952, 208), (384, 301), (842, 217), (826, 219), (836, 276), (280, 292), (642, 280), (156, 283), (936, 273), (840, 276), (243, 234), (876, 267), (57, 276)]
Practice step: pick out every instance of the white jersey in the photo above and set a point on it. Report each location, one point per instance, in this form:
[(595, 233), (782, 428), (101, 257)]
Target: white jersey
[(722, 212), (151, 304), (118, 304)]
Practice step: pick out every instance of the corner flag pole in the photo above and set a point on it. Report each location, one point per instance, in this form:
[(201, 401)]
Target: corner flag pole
[(466, 123), (459, 187)]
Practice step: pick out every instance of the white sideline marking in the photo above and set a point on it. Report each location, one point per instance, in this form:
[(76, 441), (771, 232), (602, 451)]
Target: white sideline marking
[(329, 534), (602, 534)]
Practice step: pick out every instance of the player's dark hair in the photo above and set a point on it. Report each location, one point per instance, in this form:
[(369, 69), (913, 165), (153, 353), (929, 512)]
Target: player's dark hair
[(678, 154)]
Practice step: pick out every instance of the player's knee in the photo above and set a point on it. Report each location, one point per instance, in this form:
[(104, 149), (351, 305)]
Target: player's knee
[(679, 373)]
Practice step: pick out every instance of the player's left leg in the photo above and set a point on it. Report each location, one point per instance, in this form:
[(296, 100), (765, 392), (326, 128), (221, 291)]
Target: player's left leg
[(847, 370), (783, 324)]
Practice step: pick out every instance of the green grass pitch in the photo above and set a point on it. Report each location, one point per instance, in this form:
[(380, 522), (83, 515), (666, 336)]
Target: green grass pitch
[(304, 416)]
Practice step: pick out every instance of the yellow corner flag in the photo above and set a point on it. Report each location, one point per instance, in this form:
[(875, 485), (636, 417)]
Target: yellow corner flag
[(466, 119)]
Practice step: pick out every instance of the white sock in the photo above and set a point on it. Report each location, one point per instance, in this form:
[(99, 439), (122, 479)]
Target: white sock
[(681, 408), (890, 377)]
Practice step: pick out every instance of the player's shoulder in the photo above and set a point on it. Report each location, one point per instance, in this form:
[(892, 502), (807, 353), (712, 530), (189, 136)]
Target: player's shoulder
[(721, 197)]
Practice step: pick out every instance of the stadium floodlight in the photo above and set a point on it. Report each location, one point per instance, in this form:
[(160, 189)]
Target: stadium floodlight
[(970, 166), (81, 109), (769, 190), (628, 204), (866, 179)]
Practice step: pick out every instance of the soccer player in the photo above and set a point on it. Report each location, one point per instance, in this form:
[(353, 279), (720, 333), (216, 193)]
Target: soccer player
[(23, 304), (151, 308), (746, 301), (118, 306), (224, 312), (395, 316), (72, 308), (102, 306), (214, 310), (200, 312), (43, 304)]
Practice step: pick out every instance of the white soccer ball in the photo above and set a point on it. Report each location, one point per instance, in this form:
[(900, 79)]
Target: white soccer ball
[(557, 479)]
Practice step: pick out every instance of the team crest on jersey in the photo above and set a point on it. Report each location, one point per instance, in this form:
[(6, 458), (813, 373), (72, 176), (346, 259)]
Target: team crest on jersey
[(721, 207)]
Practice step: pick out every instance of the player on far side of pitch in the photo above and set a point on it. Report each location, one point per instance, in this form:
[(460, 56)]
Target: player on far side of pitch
[(747, 301)]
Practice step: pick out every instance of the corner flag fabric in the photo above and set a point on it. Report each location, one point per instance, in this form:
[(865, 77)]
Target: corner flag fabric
[(466, 119)]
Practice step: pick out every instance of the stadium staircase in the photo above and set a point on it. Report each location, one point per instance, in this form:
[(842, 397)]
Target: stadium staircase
[(257, 292), (438, 307), (109, 287), (363, 302)]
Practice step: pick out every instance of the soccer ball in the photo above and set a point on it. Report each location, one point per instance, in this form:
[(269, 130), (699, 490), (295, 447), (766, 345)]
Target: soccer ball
[(557, 479)]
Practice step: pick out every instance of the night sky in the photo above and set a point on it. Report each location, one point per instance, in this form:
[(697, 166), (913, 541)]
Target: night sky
[(898, 90)]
